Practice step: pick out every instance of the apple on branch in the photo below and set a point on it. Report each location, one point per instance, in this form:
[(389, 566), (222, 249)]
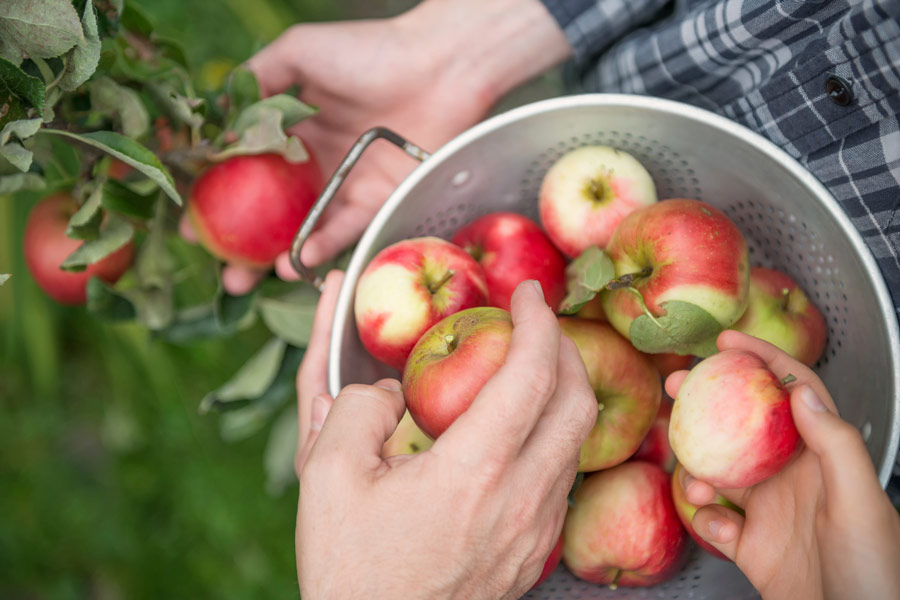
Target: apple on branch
[(586, 194), (408, 287)]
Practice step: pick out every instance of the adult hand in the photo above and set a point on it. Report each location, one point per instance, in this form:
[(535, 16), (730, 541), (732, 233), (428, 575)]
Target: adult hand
[(477, 514), (822, 527)]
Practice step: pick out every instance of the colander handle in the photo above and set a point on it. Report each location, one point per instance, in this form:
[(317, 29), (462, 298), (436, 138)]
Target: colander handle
[(334, 184)]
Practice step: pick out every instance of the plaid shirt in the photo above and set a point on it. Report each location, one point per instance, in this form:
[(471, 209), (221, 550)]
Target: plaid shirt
[(819, 78)]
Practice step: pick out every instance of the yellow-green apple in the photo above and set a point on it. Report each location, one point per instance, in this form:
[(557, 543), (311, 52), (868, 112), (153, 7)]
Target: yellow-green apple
[(587, 193), (686, 511), (46, 246), (512, 248), (551, 563), (731, 424), (451, 363), (247, 209), (782, 314), (408, 287), (406, 439), (655, 447), (627, 387), (623, 529), (593, 309), (684, 275)]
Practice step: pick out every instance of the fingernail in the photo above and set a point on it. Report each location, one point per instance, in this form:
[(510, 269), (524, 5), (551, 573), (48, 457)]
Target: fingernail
[(715, 527), (321, 404), (811, 399), (391, 385), (538, 288)]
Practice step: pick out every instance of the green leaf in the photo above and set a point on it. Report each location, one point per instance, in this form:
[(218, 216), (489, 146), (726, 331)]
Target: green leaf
[(4, 277), (115, 234), (264, 136), (292, 112), (585, 276), (58, 158), (192, 324), (16, 83), (42, 28), (17, 155), (280, 451), (579, 478), (120, 198), (129, 152), (685, 328), (84, 57), (233, 311), (106, 304), (136, 20), (21, 181), (290, 316), (122, 104), (155, 306), (22, 129), (85, 223), (242, 89), (252, 380)]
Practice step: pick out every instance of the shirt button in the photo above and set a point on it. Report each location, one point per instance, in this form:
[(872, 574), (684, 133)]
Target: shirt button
[(838, 89)]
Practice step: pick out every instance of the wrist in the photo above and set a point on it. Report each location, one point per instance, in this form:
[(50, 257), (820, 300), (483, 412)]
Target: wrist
[(487, 48)]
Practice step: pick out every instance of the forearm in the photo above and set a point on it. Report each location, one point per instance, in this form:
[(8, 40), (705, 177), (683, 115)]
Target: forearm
[(491, 45)]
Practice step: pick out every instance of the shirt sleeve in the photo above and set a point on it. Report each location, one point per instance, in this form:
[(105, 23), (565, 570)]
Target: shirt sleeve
[(591, 26)]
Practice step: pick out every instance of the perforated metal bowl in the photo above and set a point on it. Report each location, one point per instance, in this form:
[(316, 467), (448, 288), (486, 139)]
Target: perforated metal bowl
[(789, 219)]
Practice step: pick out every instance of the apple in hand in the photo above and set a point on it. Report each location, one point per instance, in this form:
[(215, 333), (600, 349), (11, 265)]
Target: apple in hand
[(627, 387), (731, 424), (623, 529), (46, 246), (247, 209), (686, 511), (655, 447), (406, 439), (551, 563), (677, 251), (780, 313), (512, 248), (451, 363), (408, 287), (587, 193)]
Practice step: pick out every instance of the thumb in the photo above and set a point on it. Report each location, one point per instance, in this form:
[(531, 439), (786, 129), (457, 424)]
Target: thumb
[(360, 421), (847, 470)]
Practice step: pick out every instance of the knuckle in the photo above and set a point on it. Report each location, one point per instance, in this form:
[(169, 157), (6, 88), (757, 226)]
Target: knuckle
[(541, 380)]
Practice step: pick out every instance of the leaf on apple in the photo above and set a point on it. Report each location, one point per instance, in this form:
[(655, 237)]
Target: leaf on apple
[(264, 136), (585, 277), (684, 329), (83, 58), (290, 316), (4, 277), (105, 303), (42, 28), (121, 198), (85, 223), (292, 112), (115, 234), (281, 447), (120, 103)]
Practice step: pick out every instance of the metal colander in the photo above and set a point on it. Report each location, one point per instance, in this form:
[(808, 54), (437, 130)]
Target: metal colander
[(789, 219)]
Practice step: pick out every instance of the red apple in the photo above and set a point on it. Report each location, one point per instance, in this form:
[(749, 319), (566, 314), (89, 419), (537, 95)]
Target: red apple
[(46, 246), (406, 439), (451, 363), (655, 447), (682, 251), (551, 563), (623, 529), (408, 287), (247, 209), (512, 248), (780, 313), (627, 387), (731, 424), (668, 363), (686, 511), (587, 193)]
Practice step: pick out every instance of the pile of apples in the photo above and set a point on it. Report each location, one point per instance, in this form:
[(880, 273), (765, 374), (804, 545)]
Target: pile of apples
[(652, 285)]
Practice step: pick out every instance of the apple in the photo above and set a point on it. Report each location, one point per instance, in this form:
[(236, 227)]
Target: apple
[(451, 363), (623, 529), (627, 387), (683, 251), (667, 363), (406, 439), (46, 246), (586, 194), (512, 248), (655, 447), (686, 511), (593, 309), (408, 287), (551, 563), (247, 209), (731, 424), (780, 313)]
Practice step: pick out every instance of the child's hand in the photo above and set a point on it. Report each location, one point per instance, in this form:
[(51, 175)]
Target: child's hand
[(822, 527)]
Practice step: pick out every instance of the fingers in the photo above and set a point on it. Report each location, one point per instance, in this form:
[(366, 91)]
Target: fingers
[(321, 405), (504, 413), (239, 280), (186, 229), (700, 493), (674, 381), (361, 419), (720, 526), (276, 65), (284, 269)]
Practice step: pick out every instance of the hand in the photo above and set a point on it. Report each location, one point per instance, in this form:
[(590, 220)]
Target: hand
[(820, 528), (477, 514)]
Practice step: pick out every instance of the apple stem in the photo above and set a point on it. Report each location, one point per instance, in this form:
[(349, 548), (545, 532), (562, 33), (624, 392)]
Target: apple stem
[(789, 378), (433, 288), (451, 342), (626, 280), (615, 582), (785, 298), (644, 307)]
